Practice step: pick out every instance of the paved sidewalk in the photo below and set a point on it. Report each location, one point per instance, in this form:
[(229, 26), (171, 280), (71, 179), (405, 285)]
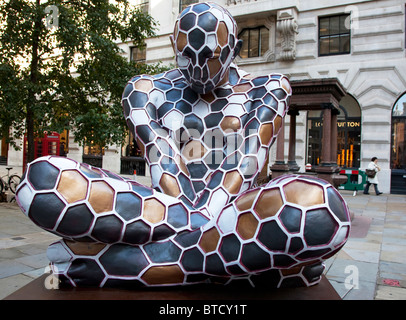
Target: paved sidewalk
[(23, 248), (372, 264)]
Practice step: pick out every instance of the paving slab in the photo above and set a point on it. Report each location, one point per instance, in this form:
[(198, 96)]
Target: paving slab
[(390, 293), (12, 267), (11, 284), (393, 270)]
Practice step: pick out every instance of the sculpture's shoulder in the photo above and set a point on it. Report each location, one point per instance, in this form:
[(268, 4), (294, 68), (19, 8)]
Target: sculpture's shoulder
[(154, 91), (276, 83), (146, 83)]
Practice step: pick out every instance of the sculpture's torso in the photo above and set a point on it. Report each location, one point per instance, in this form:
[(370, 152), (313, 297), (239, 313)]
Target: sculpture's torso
[(210, 131)]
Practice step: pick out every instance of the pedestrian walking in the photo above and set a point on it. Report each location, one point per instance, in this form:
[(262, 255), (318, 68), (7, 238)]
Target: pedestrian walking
[(372, 177)]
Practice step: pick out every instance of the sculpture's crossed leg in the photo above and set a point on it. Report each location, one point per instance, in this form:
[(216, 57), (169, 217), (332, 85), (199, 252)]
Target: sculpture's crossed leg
[(116, 231)]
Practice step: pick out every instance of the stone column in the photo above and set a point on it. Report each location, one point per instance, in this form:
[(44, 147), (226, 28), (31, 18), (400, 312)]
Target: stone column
[(327, 168), (112, 159), (334, 135), (280, 167), (326, 139), (292, 141), (280, 145), (75, 150)]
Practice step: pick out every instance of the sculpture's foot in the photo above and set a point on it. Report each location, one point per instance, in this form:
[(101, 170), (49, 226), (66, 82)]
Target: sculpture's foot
[(62, 256), (118, 265), (307, 276), (300, 276), (101, 265)]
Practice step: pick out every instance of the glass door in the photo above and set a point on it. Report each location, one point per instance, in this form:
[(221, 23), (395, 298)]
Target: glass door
[(348, 135), (398, 147)]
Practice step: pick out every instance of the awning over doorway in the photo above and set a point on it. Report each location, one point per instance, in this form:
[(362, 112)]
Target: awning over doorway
[(313, 94)]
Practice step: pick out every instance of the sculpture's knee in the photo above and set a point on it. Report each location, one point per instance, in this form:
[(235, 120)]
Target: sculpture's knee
[(294, 219), (77, 201)]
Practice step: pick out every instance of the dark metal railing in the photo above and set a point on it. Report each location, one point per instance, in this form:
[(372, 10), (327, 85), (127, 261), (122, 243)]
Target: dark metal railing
[(96, 161), (129, 164)]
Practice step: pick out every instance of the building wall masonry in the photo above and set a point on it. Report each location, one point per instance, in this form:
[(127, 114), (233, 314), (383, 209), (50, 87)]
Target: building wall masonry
[(373, 73)]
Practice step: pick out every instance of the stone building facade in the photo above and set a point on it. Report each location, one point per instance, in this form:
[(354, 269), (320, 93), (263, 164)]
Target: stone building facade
[(368, 62), (359, 45)]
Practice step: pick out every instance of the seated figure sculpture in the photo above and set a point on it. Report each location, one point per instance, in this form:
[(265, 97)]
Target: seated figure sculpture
[(205, 129)]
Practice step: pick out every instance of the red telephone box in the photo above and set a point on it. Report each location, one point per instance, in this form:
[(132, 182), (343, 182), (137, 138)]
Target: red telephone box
[(49, 144)]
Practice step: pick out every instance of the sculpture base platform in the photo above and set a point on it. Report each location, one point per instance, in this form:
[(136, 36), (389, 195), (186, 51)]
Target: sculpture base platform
[(36, 290)]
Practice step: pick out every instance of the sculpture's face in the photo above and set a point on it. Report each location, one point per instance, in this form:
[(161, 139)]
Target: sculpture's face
[(205, 44)]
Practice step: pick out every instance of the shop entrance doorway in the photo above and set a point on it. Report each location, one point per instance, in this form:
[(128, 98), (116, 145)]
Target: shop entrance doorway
[(398, 147), (348, 134)]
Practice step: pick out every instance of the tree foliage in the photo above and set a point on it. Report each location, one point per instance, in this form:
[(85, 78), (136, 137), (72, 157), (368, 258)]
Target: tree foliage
[(61, 67)]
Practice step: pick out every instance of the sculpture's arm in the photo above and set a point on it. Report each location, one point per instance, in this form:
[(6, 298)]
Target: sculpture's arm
[(140, 104), (244, 161)]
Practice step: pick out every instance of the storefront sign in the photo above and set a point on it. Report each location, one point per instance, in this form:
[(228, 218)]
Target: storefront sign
[(340, 124)]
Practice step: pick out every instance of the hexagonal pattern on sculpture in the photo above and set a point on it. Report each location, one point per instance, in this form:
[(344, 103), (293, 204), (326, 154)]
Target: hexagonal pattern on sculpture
[(205, 130)]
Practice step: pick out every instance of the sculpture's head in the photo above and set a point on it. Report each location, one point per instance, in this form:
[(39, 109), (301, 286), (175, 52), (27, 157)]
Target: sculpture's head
[(205, 43)]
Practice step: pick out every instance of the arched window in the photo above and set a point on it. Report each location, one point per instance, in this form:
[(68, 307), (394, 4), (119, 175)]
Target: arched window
[(398, 150), (348, 134), (398, 147)]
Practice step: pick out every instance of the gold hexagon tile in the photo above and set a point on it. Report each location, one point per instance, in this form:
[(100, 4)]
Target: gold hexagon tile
[(101, 197), (222, 34), (144, 85), (242, 87), (154, 211), (169, 185), (194, 149), (209, 240), (268, 203), (247, 225), (85, 248), (72, 186), (214, 66), (245, 201), (304, 194), (230, 124), (233, 182), (277, 123), (171, 274), (286, 85), (181, 41), (266, 133)]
